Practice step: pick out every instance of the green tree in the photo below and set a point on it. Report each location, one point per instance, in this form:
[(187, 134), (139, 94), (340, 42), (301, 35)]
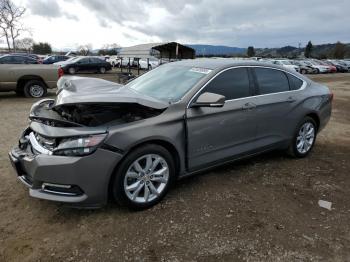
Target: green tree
[(42, 48), (339, 50), (250, 51), (308, 49)]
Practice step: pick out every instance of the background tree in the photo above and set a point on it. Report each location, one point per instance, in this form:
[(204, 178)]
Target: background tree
[(308, 49), (25, 44), (42, 48), (250, 51), (85, 49), (339, 50), (11, 27)]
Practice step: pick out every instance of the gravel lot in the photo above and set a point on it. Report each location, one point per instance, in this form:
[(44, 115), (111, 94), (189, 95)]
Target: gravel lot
[(263, 208)]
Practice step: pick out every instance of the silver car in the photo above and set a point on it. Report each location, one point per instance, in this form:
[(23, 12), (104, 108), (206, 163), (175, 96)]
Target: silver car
[(100, 140)]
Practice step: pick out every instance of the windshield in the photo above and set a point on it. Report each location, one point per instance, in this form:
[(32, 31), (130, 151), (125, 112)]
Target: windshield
[(168, 82)]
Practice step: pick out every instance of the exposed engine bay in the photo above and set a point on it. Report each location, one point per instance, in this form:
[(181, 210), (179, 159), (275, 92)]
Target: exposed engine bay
[(89, 114)]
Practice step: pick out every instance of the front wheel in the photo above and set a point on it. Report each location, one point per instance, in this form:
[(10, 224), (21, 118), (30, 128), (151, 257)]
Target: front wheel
[(144, 177), (304, 138)]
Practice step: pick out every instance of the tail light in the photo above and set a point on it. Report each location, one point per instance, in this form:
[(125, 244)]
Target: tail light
[(60, 72)]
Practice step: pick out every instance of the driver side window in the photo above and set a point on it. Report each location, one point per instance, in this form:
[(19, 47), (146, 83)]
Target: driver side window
[(232, 83)]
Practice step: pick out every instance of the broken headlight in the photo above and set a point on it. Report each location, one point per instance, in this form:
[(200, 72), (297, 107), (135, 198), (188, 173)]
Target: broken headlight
[(79, 146)]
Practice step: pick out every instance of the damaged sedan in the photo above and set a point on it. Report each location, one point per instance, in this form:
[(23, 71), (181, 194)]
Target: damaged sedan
[(99, 140)]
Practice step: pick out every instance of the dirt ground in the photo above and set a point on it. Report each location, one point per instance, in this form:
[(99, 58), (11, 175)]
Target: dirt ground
[(261, 209)]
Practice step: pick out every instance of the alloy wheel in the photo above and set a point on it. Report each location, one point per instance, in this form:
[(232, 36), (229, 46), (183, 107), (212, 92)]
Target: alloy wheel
[(146, 178), (305, 138)]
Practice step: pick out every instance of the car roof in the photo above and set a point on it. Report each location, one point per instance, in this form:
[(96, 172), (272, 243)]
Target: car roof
[(218, 63)]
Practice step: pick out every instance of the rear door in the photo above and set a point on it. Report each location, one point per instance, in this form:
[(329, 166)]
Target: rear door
[(83, 65), (215, 134), (275, 103)]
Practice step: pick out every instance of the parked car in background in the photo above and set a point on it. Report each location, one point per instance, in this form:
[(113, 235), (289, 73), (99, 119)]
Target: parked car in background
[(114, 61), (126, 61), (339, 67), (31, 80), (152, 63), (54, 59), (38, 58), (331, 68), (286, 64), (303, 67), (344, 63), (318, 67), (84, 64), (100, 140), (17, 59)]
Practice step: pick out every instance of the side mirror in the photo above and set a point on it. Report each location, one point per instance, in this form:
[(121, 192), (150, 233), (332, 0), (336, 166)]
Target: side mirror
[(209, 100)]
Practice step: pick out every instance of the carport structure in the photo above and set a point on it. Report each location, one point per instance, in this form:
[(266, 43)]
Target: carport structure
[(165, 52), (169, 51)]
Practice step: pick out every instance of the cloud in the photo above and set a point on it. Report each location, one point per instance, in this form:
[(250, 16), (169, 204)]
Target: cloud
[(49, 9), (262, 23)]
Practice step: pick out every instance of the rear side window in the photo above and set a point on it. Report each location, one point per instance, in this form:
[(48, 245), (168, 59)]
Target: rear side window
[(233, 83), (271, 81), (294, 82)]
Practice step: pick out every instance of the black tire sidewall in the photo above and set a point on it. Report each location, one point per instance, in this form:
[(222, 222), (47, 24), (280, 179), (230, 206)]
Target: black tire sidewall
[(34, 82), (118, 192), (293, 146)]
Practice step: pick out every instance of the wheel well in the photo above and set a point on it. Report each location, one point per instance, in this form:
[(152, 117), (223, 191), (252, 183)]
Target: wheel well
[(315, 117), (24, 79), (168, 146)]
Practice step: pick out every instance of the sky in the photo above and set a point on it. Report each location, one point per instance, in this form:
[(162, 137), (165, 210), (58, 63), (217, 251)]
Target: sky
[(65, 24)]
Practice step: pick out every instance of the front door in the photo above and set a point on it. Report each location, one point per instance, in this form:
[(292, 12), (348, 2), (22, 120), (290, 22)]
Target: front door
[(215, 134)]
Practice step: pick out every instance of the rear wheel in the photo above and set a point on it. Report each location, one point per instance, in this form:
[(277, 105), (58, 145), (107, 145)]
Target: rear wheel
[(34, 88), (102, 70), (303, 71), (144, 177), (304, 138), (71, 70)]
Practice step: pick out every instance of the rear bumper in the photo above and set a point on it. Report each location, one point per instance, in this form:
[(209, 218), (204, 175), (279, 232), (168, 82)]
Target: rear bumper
[(77, 181)]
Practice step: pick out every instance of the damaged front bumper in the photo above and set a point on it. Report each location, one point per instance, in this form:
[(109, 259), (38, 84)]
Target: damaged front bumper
[(77, 181)]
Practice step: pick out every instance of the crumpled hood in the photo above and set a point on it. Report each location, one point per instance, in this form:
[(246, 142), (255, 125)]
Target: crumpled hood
[(73, 90)]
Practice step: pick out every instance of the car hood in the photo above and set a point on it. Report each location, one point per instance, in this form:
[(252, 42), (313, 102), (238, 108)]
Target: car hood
[(73, 90)]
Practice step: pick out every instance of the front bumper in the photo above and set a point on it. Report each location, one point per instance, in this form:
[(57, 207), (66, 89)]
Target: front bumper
[(78, 181)]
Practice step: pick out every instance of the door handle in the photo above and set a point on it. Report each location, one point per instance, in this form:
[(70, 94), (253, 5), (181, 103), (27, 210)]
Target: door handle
[(248, 106), (291, 99)]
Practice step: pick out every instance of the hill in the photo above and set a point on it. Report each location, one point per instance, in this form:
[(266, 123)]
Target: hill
[(217, 50)]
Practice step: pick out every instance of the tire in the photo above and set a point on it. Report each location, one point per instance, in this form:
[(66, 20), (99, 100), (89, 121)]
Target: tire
[(303, 71), (302, 143), (113, 64), (129, 175), (102, 70), (71, 70), (317, 71), (35, 89)]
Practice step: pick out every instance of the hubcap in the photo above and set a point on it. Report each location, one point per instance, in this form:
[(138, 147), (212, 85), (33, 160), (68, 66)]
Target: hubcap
[(305, 137), (36, 91), (102, 70), (146, 178)]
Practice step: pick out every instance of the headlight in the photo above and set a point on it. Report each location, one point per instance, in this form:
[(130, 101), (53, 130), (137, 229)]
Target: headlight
[(79, 146)]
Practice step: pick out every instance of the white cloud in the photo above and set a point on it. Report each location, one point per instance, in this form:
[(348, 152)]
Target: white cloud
[(262, 23)]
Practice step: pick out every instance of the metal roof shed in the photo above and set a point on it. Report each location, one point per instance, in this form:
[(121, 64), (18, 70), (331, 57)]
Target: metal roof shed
[(171, 50)]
